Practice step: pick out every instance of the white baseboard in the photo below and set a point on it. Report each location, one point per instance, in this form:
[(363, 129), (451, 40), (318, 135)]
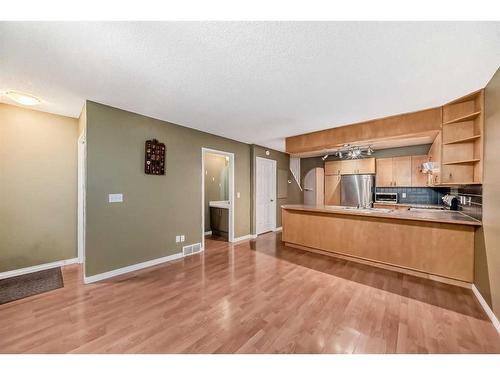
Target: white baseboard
[(278, 229), (208, 233), (131, 268), (39, 267), (244, 238), (486, 308)]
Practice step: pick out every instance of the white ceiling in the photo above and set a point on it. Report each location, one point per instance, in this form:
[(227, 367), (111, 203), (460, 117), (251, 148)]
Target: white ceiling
[(256, 82)]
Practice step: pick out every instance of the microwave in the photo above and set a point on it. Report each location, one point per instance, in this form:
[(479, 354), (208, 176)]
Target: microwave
[(386, 197)]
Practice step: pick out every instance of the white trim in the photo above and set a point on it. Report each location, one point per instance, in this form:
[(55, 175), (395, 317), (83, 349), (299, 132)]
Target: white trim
[(231, 193), (278, 229), (486, 308), (209, 233), (244, 238), (131, 268), (39, 267)]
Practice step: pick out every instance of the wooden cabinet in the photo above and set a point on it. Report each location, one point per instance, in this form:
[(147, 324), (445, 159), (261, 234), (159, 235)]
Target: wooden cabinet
[(365, 166), (384, 173), (219, 221), (435, 158), (332, 190), (400, 171), (333, 167), (462, 140), (418, 179), (356, 166)]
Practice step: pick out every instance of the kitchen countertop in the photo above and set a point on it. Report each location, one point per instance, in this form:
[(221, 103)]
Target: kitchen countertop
[(444, 216), (415, 205)]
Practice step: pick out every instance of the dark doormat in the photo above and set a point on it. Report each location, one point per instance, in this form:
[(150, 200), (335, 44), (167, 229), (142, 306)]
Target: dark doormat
[(22, 286)]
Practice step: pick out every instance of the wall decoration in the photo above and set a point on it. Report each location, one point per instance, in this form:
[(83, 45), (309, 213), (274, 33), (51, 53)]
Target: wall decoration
[(154, 161)]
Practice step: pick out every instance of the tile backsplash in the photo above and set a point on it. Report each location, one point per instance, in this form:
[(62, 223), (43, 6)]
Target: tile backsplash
[(417, 195), (470, 200)]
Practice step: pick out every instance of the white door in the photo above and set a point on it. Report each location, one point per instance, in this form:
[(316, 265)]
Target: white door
[(265, 195)]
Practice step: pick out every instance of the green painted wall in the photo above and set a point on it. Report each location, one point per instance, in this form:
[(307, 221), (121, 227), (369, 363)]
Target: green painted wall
[(155, 208), (38, 177), (294, 194)]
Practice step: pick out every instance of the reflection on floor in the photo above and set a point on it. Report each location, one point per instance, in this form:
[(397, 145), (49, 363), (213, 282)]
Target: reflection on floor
[(252, 297)]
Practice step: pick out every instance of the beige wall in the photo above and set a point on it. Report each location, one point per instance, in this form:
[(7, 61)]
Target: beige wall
[(38, 176), (155, 208), (216, 182), (487, 251), (294, 195)]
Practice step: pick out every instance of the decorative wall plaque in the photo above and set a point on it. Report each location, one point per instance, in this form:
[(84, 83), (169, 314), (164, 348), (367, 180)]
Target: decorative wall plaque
[(154, 162)]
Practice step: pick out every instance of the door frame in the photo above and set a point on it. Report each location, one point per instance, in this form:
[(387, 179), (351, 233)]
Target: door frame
[(81, 174), (204, 151), (274, 218)]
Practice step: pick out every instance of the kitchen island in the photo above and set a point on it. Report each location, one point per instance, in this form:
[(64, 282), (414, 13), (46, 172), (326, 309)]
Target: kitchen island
[(433, 244)]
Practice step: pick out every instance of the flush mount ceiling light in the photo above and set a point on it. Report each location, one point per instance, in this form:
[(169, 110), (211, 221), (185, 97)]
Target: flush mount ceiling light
[(22, 98)]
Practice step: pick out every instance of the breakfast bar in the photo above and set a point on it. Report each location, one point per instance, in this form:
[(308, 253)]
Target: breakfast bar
[(433, 244)]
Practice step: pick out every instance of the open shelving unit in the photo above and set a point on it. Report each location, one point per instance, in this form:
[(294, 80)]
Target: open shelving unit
[(462, 140)]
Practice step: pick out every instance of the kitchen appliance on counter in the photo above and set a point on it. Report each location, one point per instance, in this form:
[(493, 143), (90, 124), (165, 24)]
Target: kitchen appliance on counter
[(314, 187), (386, 197), (451, 201), (356, 190)]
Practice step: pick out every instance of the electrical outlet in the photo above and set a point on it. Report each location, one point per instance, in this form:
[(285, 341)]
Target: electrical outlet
[(177, 238), (404, 195), (183, 238)]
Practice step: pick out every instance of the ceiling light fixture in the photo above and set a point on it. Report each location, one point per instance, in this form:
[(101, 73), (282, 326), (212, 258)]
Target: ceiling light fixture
[(354, 152), (22, 98)]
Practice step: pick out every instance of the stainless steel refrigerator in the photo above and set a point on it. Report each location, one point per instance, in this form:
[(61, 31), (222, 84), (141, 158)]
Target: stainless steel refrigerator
[(356, 190)]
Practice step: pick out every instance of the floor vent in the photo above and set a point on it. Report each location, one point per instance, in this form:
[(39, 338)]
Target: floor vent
[(191, 249)]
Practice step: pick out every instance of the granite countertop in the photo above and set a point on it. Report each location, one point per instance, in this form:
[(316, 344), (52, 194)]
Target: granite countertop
[(443, 216)]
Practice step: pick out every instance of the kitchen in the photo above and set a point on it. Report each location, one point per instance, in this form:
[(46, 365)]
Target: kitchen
[(401, 193)]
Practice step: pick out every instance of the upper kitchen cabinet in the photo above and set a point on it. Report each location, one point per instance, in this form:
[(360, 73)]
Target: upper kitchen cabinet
[(418, 178), (434, 157), (355, 166), (400, 171), (333, 167), (462, 140), (384, 173)]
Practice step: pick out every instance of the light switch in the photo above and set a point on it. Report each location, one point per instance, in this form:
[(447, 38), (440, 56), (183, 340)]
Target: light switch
[(114, 198), (404, 195), (238, 194)]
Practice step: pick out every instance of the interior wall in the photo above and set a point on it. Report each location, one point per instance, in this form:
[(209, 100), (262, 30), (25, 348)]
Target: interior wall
[(38, 176), (293, 192), (487, 249), (216, 182), (155, 208)]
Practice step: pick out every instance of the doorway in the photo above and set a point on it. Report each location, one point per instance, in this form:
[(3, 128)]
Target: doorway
[(217, 194), (265, 195), (81, 199)]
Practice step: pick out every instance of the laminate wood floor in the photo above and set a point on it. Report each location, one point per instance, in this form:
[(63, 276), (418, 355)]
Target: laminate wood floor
[(253, 297)]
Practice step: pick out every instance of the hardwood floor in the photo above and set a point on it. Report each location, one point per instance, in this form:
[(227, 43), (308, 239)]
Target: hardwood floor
[(253, 297)]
